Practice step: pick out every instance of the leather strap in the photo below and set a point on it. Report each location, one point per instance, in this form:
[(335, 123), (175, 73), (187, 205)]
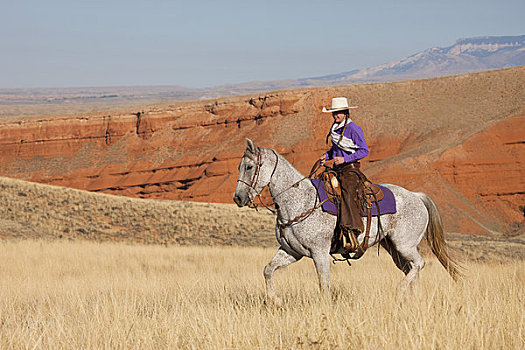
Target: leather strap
[(298, 218)]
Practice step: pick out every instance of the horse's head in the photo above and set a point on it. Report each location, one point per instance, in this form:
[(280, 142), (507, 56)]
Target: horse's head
[(255, 172)]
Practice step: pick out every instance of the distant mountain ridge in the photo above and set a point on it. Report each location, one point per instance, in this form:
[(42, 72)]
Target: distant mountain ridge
[(465, 56)]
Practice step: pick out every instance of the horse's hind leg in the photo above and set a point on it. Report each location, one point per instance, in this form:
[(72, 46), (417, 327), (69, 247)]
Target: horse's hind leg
[(407, 259), (398, 259), (416, 264), (281, 259)]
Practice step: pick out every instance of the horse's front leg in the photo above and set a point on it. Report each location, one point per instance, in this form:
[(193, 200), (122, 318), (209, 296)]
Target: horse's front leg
[(322, 265), (281, 259)]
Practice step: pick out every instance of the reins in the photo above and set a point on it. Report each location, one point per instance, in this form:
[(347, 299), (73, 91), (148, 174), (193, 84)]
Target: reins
[(299, 217), (316, 167), (258, 195), (306, 214)]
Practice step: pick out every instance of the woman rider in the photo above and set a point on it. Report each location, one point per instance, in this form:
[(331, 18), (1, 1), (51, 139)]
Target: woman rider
[(348, 147)]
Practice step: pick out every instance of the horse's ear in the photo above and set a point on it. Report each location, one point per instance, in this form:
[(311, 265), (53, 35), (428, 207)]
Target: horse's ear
[(251, 149)]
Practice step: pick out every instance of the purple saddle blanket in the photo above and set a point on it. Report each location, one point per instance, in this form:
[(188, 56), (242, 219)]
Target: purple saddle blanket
[(386, 206)]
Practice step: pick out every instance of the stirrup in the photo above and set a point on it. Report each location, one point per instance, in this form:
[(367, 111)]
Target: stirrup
[(350, 243)]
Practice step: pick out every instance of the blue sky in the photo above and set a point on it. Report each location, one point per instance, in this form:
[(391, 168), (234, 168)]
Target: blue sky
[(68, 43)]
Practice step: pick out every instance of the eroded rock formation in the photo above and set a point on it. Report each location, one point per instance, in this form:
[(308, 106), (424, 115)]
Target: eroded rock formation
[(460, 139)]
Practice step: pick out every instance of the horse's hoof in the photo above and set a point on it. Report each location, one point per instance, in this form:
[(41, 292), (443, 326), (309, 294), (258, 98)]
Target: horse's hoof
[(275, 301), (278, 302)]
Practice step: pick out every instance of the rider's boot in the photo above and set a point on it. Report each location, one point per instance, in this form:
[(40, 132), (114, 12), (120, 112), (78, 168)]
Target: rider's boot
[(350, 243)]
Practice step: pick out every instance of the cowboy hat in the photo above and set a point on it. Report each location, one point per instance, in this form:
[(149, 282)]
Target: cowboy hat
[(338, 104)]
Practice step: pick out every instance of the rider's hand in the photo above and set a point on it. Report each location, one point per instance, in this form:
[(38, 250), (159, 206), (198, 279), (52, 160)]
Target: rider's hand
[(322, 159), (339, 160)]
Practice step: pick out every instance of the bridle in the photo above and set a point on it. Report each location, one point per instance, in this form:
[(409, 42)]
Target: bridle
[(255, 179), (269, 206)]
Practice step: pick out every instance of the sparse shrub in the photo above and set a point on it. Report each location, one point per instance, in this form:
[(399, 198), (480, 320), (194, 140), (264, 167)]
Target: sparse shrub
[(82, 231)]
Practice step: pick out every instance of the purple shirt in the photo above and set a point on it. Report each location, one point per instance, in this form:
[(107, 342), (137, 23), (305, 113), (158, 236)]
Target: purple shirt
[(354, 136)]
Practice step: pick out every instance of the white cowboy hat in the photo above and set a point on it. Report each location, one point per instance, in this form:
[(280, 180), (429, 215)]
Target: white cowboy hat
[(338, 104)]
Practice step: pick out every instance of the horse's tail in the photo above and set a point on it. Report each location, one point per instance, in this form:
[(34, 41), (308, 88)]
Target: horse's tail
[(436, 238)]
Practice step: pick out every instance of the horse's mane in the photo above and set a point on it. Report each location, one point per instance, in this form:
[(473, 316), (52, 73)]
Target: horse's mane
[(282, 159)]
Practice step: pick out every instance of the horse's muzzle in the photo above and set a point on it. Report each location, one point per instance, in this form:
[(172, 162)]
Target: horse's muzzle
[(238, 200)]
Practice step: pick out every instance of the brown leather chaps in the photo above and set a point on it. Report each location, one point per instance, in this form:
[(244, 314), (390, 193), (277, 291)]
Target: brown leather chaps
[(350, 180)]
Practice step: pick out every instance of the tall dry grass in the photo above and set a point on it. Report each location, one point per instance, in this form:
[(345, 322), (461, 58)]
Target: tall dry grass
[(100, 295)]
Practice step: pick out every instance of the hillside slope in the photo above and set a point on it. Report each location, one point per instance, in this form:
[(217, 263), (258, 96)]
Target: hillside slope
[(35, 211), (460, 139), (31, 210)]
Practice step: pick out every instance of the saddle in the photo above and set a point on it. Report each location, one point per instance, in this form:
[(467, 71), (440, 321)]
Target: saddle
[(370, 193)]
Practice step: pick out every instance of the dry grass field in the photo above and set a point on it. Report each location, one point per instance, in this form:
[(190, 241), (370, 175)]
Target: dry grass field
[(88, 270), (71, 295)]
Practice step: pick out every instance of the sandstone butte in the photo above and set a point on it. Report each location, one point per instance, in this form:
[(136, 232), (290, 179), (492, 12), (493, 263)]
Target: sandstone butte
[(460, 139)]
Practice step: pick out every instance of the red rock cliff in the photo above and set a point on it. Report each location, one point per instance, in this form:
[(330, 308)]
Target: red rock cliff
[(459, 139)]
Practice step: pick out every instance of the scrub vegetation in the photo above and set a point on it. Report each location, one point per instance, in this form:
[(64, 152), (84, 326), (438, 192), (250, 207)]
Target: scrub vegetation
[(88, 270)]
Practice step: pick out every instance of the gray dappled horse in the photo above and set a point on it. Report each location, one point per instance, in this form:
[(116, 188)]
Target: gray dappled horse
[(311, 235)]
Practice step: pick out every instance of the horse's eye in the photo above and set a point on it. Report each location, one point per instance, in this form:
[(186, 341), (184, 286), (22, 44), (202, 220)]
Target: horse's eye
[(249, 167)]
